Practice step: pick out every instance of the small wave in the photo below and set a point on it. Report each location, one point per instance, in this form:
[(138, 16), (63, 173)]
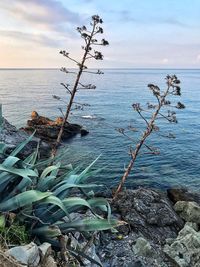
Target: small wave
[(92, 117), (88, 117)]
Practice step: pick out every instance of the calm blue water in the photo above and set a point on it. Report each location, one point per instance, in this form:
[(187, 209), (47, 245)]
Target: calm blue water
[(22, 91)]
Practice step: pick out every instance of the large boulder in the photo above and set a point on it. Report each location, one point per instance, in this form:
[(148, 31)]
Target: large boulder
[(149, 213), (48, 130), (11, 137)]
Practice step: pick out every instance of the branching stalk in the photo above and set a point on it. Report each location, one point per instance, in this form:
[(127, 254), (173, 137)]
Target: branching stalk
[(172, 82)]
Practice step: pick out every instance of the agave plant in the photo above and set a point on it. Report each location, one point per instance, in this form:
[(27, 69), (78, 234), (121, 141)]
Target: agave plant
[(44, 200)]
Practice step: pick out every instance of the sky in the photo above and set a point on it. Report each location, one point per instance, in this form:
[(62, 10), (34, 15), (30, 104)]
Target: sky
[(141, 33)]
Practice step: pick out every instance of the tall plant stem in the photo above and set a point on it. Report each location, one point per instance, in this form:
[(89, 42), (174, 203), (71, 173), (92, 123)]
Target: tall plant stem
[(73, 92), (143, 138)]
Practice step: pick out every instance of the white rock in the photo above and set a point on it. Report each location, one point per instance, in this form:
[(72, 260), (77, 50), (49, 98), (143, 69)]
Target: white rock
[(27, 255)]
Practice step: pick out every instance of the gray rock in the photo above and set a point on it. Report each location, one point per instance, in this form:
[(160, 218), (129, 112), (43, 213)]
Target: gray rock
[(91, 252), (150, 213), (189, 211), (185, 249), (27, 255), (142, 247), (11, 137), (192, 225)]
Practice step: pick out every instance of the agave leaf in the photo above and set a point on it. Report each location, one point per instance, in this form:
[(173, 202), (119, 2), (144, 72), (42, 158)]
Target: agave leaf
[(85, 225), (21, 145), (5, 179), (88, 225), (73, 204), (27, 160), (55, 172), (10, 161), (47, 183), (35, 155), (83, 175), (19, 172), (62, 190), (48, 170), (56, 202), (23, 185), (49, 231), (66, 176), (23, 199), (31, 159), (101, 203), (2, 148)]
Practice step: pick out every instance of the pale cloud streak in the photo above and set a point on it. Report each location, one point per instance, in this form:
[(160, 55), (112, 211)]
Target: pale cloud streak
[(165, 61), (42, 14), (198, 58), (36, 38)]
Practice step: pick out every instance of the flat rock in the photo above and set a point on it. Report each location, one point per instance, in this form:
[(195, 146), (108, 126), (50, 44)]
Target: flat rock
[(150, 213)]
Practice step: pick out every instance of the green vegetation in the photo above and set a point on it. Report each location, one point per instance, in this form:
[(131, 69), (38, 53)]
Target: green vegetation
[(14, 234), (43, 201)]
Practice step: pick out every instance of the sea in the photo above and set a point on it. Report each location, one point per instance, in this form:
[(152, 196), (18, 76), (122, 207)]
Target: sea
[(106, 111)]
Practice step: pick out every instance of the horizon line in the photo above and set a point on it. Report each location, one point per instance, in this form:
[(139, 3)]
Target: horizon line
[(126, 68)]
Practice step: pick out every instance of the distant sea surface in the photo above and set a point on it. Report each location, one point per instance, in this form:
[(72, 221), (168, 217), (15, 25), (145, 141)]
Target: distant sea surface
[(178, 164)]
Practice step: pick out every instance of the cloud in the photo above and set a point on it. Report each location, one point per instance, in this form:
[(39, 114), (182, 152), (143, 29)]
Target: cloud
[(172, 21), (30, 38), (165, 61), (198, 58), (47, 14), (126, 16)]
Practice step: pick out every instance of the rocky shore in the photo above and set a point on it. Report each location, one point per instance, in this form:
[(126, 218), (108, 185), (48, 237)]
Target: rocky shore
[(162, 228), (158, 233)]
